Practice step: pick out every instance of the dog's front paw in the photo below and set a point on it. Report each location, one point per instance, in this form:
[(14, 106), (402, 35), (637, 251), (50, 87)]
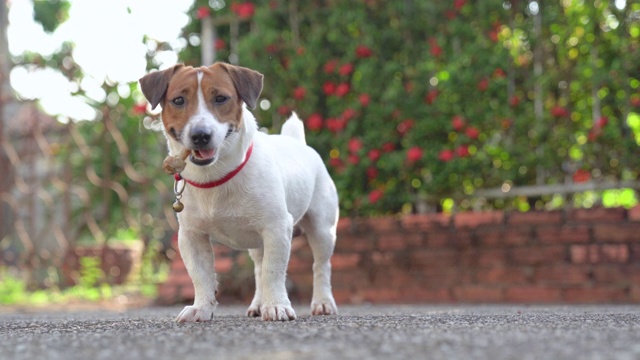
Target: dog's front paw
[(254, 311), (324, 307), (277, 313), (196, 314)]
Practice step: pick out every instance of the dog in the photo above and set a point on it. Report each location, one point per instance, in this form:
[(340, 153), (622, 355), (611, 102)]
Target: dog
[(245, 189)]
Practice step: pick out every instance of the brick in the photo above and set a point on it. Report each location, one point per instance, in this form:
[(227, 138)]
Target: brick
[(611, 274), (442, 277), (223, 265), (344, 261), (535, 217), (563, 234), (634, 294), (559, 274), (593, 254), (438, 239), (426, 221), (596, 294), (598, 214), (186, 293), (382, 295), (615, 253), (392, 278), (478, 293), (634, 253), (296, 264), (502, 275), (167, 295), (476, 219), (634, 213), (383, 224), (491, 257), (538, 255), (420, 294), (504, 236), (381, 258), (533, 294), (355, 242), (399, 241), (344, 225), (436, 258), (461, 239), (629, 232)]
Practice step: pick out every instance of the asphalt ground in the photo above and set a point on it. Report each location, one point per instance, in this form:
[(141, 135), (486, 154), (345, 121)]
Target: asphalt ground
[(359, 332)]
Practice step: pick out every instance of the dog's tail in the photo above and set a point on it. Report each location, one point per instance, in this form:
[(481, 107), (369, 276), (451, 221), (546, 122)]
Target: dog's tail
[(294, 127)]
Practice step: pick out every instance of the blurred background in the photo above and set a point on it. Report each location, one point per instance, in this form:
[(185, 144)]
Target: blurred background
[(416, 106)]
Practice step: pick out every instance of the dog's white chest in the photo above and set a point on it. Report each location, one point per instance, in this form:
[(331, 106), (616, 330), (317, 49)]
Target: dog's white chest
[(230, 231)]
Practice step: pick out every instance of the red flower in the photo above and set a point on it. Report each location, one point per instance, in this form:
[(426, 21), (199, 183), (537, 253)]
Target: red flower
[(244, 10), (472, 133), (594, 133), (363, 52), (431, 96), (458, 4), (499, 73), (581, 176), (436, 50), (483, 84), (414, 154), (372, 173), (388, 147), (342, 89), (635, 100), (203, 12), (405, 126), (271, 48), (458, 123), (354, 159), (450, 14), (329, 88), (602, 122), (346, 69), (445, 155), (375, 195), (462, 151), (355, 145), (374, 154), (220, 44), (283, 110), (337, 164), (348, 114), (364, 100), (140, 109), (506, 123), (493, 35), (559, 111), (335, 125), (314, 122), (299, 93), (330, 66), (514, 101), (300, 50)]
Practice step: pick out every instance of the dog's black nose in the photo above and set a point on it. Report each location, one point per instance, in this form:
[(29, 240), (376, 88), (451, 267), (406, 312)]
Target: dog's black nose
[(200, 137)]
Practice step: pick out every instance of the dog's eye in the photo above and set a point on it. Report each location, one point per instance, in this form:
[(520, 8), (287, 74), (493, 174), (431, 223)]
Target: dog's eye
[(179, 101), (220, 99)]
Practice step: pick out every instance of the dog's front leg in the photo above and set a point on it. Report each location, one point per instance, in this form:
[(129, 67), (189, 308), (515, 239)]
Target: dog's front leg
[(275, 302), (254, 308), (197, 254)]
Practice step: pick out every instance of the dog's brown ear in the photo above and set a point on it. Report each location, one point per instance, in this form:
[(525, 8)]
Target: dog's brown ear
[(248, 83), (154, 85)]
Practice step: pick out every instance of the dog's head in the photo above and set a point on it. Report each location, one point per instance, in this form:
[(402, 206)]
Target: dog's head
[(201, 107)]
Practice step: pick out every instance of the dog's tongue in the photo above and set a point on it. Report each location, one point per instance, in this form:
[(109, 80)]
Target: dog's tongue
[(204, 154)]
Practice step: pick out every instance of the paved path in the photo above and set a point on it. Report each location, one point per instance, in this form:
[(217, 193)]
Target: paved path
[(362, 332)]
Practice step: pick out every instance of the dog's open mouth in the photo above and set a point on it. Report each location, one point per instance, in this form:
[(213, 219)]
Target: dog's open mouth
[(203, 156)]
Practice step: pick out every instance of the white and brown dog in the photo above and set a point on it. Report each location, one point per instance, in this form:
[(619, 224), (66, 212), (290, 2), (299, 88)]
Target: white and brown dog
[(247, 189)]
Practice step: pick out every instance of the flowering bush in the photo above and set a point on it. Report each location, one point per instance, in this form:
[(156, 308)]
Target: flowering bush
[(412, 102)]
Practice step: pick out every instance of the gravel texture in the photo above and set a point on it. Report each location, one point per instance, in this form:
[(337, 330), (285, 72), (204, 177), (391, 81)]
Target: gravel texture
[(359, 332)]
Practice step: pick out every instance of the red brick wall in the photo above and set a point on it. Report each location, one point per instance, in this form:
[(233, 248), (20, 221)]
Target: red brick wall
[(577, 256)]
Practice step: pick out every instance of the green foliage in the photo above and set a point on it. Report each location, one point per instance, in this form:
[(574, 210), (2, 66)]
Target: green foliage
[(412, 102), (50, 13)]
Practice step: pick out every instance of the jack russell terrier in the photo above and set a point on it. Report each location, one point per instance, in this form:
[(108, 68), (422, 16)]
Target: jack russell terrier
[(245, 189)]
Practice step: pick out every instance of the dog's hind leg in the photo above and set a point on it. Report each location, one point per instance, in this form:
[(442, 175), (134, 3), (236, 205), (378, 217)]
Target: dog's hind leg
[(321, 235), (254, 308)]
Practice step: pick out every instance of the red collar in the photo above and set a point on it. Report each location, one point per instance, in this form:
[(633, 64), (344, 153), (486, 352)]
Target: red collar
[(224, 179)]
